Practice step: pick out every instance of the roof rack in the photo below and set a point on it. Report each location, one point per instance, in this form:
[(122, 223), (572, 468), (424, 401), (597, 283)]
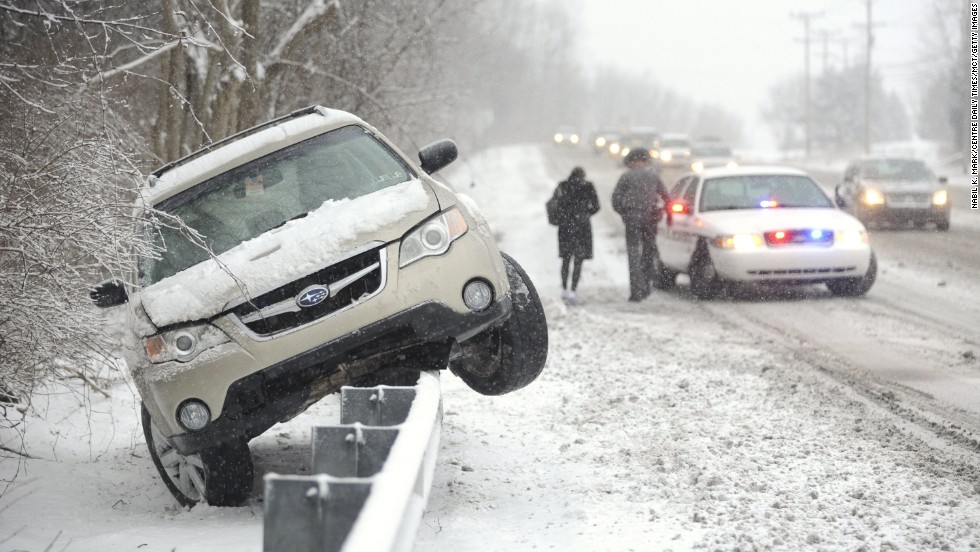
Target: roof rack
[(155, 175)]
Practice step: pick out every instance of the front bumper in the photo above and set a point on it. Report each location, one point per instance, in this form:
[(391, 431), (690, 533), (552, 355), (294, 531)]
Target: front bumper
[(258, 401), (903, 215), (791, 263)]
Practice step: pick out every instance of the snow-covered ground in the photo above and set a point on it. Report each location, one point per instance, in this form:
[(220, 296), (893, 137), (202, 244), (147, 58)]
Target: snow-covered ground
[(655, 426)]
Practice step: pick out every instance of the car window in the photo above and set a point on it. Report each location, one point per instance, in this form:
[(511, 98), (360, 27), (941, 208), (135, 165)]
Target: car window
[(677, 191), (896, 169), (251, 199), (691, 191), (761, 192)]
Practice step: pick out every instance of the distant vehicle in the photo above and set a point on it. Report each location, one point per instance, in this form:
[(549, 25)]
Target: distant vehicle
[(711, 154), (672, 150), (894, 190), (567, 136), (760, 224), (296, 257), (637, 137), (602, 138)]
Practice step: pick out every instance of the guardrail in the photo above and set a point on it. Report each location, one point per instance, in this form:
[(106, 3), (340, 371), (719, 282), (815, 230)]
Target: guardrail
[(371, 475)]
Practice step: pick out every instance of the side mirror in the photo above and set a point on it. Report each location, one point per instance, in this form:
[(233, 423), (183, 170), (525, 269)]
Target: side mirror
[(839, 197), (437, 155), (943, 180), (110, 293)]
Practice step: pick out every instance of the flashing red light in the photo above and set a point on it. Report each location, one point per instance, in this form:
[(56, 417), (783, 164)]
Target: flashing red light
[(779, 235), (679, 208)]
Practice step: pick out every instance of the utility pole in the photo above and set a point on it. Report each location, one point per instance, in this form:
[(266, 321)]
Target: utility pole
[(807, 125), (867, 79)]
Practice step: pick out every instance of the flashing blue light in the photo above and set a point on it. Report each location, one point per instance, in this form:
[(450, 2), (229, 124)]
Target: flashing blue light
[(768, 203)]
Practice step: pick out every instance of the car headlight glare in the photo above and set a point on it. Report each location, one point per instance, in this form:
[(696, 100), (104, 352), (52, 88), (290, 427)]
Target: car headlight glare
[(850, 237), (740, 242), (614, 148), (939, 198), (558, 138), (573, 138), (433, 237), (873, 197), (697, 166), (600, 142), (184, 344), (666, 156)]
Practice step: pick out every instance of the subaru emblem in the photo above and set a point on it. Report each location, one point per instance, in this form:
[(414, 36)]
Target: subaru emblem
[(312, 296)]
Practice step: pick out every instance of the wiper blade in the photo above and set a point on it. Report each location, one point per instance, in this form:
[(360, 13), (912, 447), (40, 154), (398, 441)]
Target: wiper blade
[(299, 216)]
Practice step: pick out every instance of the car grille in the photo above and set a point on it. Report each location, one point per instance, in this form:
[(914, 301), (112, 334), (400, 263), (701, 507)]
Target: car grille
[(349, 281), (911, 199), (803, 271)]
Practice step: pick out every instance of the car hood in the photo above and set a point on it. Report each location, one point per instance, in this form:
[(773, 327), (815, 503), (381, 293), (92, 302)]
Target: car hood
[(284, 254), (764, 220), (901, 185)]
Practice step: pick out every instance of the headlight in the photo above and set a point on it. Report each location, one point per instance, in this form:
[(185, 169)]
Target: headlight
[(183, 344), (624, 152), (740, 242), (558, 138), (873, 197), (614, 148), (697, 166), (939, 198), (433, 237), (666, 156), (573, 138), (850, 237), (600, 142)]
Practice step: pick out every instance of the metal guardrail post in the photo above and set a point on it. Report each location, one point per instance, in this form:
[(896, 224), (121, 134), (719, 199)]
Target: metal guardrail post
[(372, 475)]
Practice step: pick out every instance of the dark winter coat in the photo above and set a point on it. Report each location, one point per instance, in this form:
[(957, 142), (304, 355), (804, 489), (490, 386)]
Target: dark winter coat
[(635, 196), (577, 201)]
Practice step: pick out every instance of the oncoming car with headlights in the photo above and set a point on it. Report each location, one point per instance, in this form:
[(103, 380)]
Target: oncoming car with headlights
[(760, 224), (294, 258), (894, 190)]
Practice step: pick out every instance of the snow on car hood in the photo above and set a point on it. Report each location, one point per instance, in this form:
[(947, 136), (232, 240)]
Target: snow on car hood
[(764, 220), (286, 253)]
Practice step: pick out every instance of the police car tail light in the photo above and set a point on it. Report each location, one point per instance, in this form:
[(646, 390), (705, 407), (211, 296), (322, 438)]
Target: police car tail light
[(679, 208), (433, 237), (183, 344)]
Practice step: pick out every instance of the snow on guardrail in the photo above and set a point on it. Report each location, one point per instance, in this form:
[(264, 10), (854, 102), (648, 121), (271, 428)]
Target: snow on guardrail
[(371, 475)]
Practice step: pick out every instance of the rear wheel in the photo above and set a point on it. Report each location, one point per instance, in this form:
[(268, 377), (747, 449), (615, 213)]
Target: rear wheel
[(663, 277), (857, 286), (705, 283), (507, 357), (220, 476)]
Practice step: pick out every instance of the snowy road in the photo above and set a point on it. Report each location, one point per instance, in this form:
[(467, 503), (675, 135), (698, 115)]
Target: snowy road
[(804, 422)]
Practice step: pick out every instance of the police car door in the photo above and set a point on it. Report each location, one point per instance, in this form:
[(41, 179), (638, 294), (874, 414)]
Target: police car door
[(674, 231)]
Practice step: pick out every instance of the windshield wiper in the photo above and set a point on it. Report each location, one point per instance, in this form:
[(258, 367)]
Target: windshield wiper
[(299, 216)]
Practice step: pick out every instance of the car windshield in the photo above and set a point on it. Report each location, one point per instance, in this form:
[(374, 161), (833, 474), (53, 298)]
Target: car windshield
[(896, 169), (253, 198), (761, 192), (712, 151)]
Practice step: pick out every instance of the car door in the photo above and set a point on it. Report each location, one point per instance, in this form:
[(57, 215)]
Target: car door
[(674, 229)]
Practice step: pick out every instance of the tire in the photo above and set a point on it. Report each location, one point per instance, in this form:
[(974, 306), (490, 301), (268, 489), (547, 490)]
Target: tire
[(942, 225), (510, 356), (220, 476), (857, 286), (705, 283), (663, 277)]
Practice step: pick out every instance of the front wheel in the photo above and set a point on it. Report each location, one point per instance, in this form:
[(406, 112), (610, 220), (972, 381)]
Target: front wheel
[(856, 286), (510, 356), (220, 476), (942, 225), (705, 283)]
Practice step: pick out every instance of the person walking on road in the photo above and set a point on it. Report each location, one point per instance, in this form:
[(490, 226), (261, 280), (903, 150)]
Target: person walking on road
[(635, 199), (576, 203)]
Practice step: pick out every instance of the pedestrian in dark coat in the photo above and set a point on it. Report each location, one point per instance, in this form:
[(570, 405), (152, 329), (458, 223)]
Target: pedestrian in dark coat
[(577, 202), (635, 199)]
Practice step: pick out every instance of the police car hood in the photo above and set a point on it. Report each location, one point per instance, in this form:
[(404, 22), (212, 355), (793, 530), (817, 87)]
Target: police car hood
[(749, 221), (284, 254)]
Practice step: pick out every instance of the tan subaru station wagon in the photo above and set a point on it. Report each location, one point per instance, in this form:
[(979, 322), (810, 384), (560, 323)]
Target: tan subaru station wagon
[(296, 257)]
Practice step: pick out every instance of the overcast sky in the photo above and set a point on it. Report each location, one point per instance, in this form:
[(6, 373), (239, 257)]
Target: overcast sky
[(731, 52)]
